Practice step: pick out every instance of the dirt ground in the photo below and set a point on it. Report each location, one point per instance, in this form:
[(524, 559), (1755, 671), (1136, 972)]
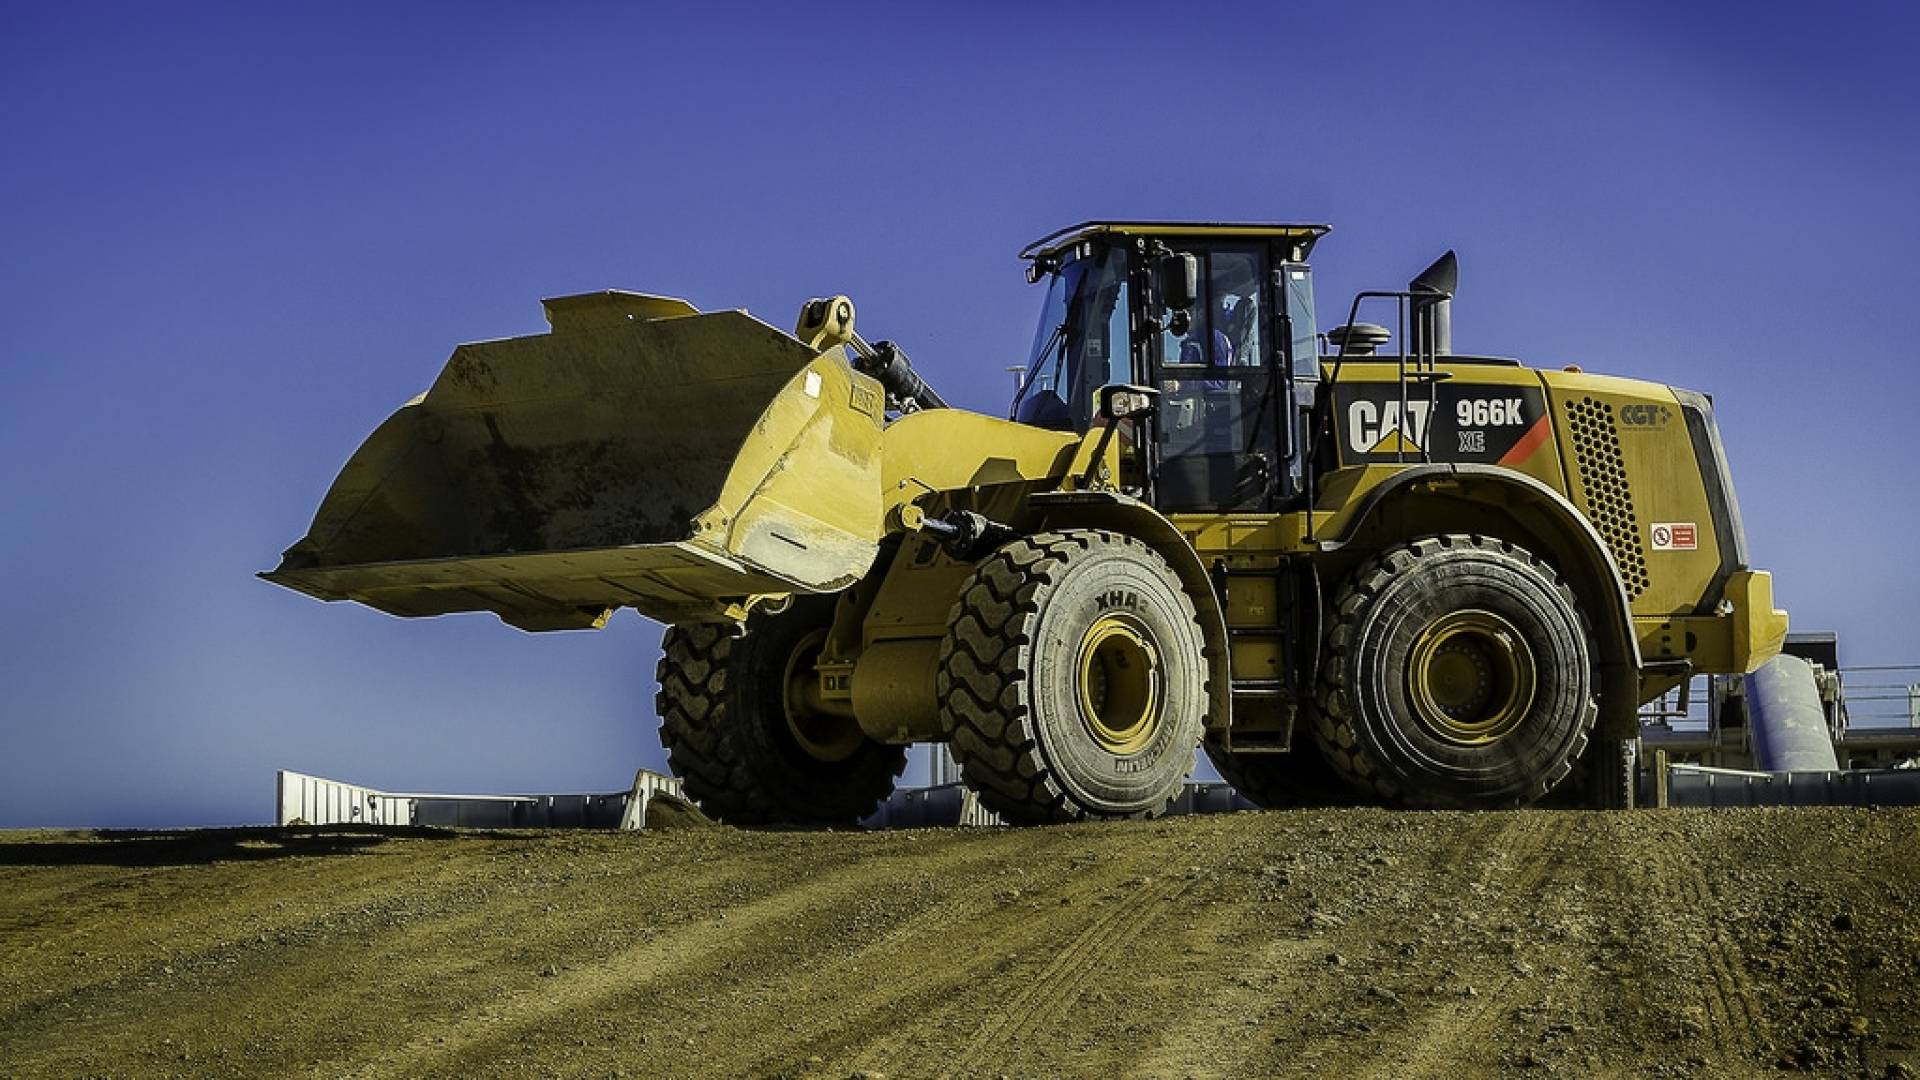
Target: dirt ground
[(1330, 943)]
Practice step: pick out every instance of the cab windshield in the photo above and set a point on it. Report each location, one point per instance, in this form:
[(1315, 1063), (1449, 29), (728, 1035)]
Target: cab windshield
[(1080, 345)]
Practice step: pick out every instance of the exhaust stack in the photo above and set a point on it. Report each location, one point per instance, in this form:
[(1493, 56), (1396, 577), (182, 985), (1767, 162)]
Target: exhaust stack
[(1432, 293)]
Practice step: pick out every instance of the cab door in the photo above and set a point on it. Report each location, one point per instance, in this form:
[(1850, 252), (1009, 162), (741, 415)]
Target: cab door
[(1220, 428)]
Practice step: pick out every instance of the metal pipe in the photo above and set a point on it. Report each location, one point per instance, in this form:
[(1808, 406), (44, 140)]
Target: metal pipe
[(1786, 721)]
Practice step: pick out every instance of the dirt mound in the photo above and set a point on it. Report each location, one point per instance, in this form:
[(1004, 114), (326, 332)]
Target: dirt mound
[(666, 811), (1356, 942)]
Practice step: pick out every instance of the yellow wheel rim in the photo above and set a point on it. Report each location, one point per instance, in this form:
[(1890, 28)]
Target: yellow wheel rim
[(1119, 681), (1471, 677), (820, 733)]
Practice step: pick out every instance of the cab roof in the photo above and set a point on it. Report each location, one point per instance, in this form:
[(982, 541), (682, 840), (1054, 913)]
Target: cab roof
[(1054, 243)]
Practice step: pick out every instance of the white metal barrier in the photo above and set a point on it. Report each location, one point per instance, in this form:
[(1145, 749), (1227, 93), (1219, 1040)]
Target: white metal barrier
[(315, 800), (648, 784)]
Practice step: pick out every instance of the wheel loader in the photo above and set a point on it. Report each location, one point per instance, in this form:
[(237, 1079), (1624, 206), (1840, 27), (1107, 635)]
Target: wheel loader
[(1340, 558)]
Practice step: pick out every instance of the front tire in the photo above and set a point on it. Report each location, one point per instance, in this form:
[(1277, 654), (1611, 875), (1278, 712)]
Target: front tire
[(1458, 674), (745, 744), (1072, 679)]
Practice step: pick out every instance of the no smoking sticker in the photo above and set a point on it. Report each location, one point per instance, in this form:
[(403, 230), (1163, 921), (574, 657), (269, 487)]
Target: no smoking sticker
[(1676, 536)]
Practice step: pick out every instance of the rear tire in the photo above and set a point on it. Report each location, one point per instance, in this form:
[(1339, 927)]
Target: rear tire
[(1072, 679), (732, 736), (1458, 674)]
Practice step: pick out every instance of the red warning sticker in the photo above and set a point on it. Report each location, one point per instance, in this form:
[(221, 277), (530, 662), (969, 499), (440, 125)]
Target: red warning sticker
[(1676, 536)]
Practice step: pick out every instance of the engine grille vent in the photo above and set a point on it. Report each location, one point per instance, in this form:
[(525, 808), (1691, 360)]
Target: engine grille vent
[(1603, 478)]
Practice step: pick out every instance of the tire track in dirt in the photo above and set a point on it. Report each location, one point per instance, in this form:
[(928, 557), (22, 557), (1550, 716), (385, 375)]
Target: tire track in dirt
[(1210, 893), (676, 954), (1702, 967), (1054, 989), (890, 977), (1733, 1014), (906, 1046), (1231, 930), (1334, 943), (1192, 1043), (965, 1027), (195, 920), (334, 938), (1532, 843)]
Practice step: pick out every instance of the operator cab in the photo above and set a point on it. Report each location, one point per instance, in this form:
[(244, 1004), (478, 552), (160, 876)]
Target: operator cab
[(1232, 369)]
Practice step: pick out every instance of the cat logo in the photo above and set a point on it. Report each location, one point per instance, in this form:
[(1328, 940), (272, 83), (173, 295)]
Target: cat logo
[(1380, 429)]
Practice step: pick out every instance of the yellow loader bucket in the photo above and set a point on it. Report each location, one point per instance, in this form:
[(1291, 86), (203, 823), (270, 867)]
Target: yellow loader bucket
[(641, 454)]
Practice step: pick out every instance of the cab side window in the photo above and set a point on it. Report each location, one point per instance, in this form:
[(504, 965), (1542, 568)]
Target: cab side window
[(1227, 317)]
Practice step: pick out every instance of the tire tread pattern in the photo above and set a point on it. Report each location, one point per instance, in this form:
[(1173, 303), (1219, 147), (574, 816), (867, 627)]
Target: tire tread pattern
[(982, 685), (706, 748), (1335, 723)]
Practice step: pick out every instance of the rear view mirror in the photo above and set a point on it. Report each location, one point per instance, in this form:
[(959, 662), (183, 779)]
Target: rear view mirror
[(1120, 401), (1116, 402), (1179, 281)]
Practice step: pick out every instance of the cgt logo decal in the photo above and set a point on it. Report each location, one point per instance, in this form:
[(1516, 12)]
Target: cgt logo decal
[(1645, 417)]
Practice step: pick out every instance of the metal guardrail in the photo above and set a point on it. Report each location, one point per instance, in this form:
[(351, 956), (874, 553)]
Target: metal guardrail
[(1704, 786), (648, 786), (951, 804), (941, 806), (316, 800)]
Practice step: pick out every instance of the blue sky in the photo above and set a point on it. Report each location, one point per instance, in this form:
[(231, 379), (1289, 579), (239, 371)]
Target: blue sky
[(236, 239)]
